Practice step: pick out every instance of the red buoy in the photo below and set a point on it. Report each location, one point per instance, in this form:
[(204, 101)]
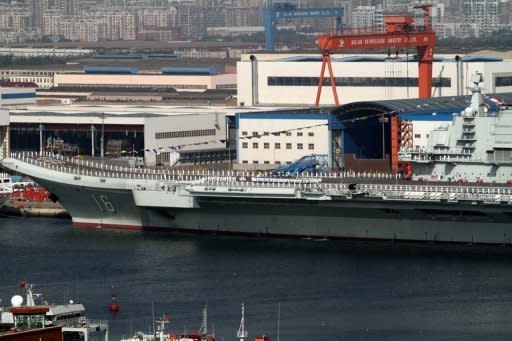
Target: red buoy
[(113, 307)]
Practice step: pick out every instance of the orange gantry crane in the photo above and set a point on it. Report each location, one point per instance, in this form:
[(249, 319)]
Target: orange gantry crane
[(399, 33)]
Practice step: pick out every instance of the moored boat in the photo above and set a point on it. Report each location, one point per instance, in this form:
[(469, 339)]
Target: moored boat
[(26, 198), (160, 333), (69, 319)]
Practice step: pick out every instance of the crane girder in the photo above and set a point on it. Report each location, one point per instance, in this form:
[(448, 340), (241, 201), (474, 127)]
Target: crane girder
[(335, 43)]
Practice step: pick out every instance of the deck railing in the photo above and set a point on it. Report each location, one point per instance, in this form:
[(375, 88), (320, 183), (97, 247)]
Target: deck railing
[(345, 184)]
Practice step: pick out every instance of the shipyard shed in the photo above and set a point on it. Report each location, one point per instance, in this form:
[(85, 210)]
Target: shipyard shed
[(351, 135), (197, 138), (292, 79)]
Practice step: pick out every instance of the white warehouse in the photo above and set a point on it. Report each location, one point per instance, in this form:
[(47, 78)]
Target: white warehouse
[(287, 79)]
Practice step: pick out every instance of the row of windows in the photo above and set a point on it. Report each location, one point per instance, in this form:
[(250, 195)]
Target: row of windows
[(503, 81), (277, 145), (268, 162), (185, 133), (137, 86), (26, 73), (266, 133), (357, 81)]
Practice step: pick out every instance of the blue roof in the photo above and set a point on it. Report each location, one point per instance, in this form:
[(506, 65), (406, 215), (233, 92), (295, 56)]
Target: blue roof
[(472, 58), (382, 58), (309, 58), (137, 56), (122, 56), (185, 70), (111, 69)]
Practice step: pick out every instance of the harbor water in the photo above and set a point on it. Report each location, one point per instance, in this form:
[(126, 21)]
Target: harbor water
[(322, 290)]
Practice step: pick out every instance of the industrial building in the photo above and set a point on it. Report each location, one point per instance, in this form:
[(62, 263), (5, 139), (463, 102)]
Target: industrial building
[(292, 79), (12, 96), (191, 79), (177, 78), (196, 137), (360, 135)]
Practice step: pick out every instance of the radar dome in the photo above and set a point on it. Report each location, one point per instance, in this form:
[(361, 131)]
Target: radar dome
[(16, 301)]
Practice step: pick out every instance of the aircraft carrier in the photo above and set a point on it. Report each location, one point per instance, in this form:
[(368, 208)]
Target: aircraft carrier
[(451, 197)]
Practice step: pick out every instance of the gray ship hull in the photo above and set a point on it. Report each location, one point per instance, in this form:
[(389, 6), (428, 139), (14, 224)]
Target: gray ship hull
[(340, 219), (101, 202)]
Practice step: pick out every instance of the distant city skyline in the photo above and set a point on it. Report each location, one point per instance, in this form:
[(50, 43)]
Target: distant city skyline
[(167, 20)]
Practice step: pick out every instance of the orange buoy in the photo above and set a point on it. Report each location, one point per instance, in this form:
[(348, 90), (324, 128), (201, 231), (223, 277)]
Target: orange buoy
[(113, 307)]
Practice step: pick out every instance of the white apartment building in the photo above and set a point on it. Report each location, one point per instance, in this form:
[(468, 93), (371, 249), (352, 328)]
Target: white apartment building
[(485, 13), (156, 17), (51, 22), (83, 29), (120, 26), (367, 17), (16, 20)]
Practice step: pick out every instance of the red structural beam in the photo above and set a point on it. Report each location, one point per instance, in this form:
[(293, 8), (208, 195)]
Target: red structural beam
[(334, 43), (399, 33)]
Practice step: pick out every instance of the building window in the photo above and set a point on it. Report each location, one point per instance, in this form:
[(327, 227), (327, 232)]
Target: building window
[(185, 133), (299, 146), (417, 136), (311, 133), (277, 162), (311, 146), (245, 161), (255, 161), (278, 146), (244, 133), (288, 146), (255, 145), (266, 133), (245, 145), (254, 133), (266, 145), (288, 133), (266, 162), (503, 81), (437, 82), (299, 133)]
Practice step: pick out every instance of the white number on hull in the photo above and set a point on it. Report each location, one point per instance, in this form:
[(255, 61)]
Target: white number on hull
[(103, 203)]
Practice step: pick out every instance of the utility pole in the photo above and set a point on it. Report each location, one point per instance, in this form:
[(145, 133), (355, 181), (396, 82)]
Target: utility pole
[(40, 138), (383, 120), (92, 140), (102, 135)]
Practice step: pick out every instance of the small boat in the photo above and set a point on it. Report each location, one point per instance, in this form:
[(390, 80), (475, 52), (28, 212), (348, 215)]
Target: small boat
[(161, 335), (69, 319), (25, 197)]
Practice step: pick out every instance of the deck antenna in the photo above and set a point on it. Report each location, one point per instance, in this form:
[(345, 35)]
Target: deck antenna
[(278, 319), (153, 315), (242, 332), (203, 330)]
